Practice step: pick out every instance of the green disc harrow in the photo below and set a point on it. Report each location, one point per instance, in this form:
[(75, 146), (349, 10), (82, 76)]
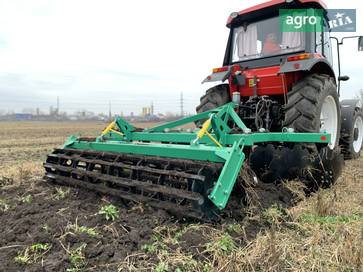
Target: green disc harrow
[(189, 172)]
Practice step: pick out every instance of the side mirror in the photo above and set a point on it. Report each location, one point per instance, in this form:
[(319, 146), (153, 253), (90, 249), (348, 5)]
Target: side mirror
[(360, 43), (343, 78)]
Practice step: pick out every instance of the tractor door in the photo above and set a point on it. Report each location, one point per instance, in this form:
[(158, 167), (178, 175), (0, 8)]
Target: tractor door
[(323, 44)]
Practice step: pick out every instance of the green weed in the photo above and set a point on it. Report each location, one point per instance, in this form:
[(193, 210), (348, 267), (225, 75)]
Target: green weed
[(329, 219), (161, 267), (275, 214), (234, 228), (221, 245), (89, 231), (4, 206), (32, 253), (60, 194), (149, 248), (77, 259), (110, 212), (26, 199), (82, 229)]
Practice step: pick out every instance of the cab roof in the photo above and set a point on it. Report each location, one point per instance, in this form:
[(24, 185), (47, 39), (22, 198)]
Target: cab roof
[(272, 3)]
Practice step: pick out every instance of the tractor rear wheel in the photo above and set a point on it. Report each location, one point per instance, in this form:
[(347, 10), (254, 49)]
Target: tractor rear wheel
[(313, 106), (215, 97)]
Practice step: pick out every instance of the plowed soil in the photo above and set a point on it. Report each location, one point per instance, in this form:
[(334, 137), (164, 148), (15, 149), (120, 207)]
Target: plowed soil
[(44, 227), (47, 216)]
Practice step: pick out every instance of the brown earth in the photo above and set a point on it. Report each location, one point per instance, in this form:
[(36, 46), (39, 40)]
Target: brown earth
[(47, 219), (44, 227)]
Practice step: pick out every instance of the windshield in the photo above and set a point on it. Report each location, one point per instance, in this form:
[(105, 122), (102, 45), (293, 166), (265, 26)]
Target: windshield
[(262, 39)]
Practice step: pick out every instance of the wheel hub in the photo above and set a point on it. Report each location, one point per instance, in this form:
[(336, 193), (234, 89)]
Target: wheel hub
[(329, 119)]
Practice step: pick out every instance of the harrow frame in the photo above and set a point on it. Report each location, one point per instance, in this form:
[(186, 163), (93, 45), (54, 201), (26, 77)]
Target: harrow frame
[(216, 141)]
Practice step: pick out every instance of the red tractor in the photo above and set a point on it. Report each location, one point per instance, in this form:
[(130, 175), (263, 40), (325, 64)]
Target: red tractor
[(286, 80)]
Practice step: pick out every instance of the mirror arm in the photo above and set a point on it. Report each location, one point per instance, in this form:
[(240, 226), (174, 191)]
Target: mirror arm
[(348, 37), (338, 51)]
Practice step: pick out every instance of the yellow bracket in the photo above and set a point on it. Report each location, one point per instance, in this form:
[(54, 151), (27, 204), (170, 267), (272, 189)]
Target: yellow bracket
[(204, 131), (110, 128), (213, 139), (117, 132)]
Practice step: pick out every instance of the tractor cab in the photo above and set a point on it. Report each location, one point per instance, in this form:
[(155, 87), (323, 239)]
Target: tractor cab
[(269, 61), (256, 39), (263, 39)]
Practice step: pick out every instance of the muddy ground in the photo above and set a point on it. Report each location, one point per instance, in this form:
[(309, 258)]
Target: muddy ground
[(44, 227), (42, 213)]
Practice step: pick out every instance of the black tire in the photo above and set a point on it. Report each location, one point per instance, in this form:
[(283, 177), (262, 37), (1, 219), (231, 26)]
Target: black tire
[(214, 98), (302, 112), (305, 101), (350, 136)]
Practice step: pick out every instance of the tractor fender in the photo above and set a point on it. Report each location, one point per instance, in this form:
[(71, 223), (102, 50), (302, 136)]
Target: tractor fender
[(348, 108), (218, 76), (313, 65)]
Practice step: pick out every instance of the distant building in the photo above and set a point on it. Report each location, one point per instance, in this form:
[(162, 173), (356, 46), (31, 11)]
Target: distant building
[(23, 116), (146, 111)]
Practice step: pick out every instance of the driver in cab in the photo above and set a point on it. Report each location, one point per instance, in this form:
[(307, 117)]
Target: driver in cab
[(270, 45)]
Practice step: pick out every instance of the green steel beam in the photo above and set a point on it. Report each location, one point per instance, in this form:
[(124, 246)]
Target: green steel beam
[(228, 139), (184, 121), (220, 127), (224, 186), (125, 127), (189, 152), (237, 119), (254, 138), (70, 141), (178, 123)]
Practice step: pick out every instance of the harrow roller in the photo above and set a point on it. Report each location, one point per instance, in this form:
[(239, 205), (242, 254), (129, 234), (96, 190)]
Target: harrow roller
[(168, 183)]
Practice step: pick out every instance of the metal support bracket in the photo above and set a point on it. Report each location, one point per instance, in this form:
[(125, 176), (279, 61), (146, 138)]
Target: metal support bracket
[(224, 186)]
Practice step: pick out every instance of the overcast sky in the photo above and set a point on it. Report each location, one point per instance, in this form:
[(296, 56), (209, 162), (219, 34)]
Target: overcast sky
[(130, 52)]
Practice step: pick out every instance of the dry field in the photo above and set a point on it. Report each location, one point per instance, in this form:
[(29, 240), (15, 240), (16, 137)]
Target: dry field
[(52, 228)]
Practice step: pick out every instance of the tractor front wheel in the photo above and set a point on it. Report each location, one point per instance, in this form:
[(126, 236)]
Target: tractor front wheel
[(352, 139)]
